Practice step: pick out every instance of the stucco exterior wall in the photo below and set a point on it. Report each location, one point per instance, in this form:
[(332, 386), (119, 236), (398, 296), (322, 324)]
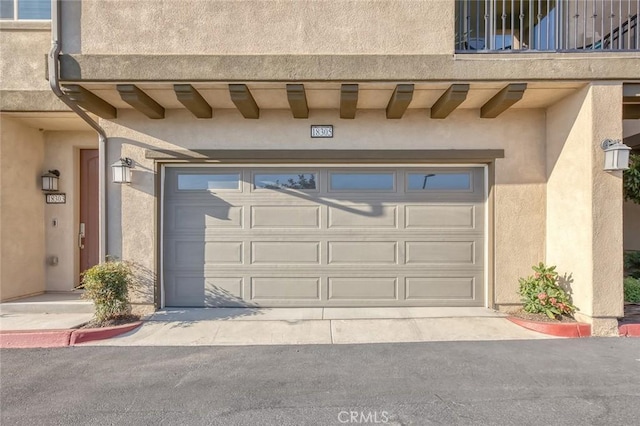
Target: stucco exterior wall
[(519, 186), (22, 240), (24, 48), (62, 152), (631, 223), (584, 203), (258, 27)]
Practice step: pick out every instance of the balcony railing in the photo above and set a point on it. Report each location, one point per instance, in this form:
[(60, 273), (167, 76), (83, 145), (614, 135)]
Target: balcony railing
[(547, 25)]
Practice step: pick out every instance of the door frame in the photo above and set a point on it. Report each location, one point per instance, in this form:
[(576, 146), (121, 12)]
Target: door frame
[(79, 192), (488, 185)]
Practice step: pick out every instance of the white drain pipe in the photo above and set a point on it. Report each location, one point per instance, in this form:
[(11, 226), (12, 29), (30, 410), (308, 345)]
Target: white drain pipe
[(54, 82)]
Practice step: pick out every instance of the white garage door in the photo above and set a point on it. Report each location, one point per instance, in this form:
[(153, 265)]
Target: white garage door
[(304, 236)]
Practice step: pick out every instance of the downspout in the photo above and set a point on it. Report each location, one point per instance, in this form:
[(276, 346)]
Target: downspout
[(54, 82)]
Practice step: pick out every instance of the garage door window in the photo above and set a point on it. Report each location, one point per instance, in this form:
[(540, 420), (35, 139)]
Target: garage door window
[(429, 181), (301, 181), (362, 181), (194, 182)]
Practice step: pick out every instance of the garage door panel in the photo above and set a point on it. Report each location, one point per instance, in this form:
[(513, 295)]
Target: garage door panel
[(204, 217), (459, 216), (363, 252), (429, 288), (286, 216), (443, 252), (363, 288), (285, 288), (285, 252), (341, 247), (183, 253), (363, 216), (184, 291), (224, 292)]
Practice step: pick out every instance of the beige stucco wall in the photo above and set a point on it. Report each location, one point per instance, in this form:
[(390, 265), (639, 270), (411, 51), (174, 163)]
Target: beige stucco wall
[(258, 27), (584, 203), (24, 46), (631, 214), (23, 86), (22, 240), (62, 152), (520, 176)]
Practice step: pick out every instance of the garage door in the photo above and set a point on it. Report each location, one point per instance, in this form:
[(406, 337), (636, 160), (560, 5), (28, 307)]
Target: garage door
[(305, 236)]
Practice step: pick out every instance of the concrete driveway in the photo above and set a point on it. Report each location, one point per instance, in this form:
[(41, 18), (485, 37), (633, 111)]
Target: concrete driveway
[(205, 327)]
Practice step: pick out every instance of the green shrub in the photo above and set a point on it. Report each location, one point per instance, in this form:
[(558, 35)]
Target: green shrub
[(107, 285), (631, 179), (631, 290), (632, 263), (542, 294)]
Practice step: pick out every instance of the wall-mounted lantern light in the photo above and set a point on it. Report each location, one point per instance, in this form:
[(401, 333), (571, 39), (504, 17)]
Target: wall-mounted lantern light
[(616, 155), (122, 170), (50, 181)]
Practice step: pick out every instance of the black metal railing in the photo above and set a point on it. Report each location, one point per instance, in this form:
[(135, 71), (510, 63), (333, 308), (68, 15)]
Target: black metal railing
[(547, 25)]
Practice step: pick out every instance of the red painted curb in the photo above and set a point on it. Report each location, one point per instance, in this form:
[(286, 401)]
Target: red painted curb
[(89, 334), (629, 330), (35, 339), (574, 329)]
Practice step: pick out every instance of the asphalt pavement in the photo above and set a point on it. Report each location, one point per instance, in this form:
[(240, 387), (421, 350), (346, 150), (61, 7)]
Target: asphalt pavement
[(593, 381)]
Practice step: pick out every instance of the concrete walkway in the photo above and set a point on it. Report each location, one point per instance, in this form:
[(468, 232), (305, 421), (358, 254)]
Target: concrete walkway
[(295, 326), (41, 321)]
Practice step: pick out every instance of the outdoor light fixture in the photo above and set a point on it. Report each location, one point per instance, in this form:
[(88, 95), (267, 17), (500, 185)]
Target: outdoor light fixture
[(50, 181), (122, 170), (616, 155)]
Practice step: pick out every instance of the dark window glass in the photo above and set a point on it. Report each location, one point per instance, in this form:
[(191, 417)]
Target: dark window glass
[(284, 180), (365, 181), (34, 9), (6, 9), (439, 181), (209, 181)]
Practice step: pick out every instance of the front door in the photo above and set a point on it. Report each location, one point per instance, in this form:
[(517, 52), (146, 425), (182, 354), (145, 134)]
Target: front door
[(88, 234)]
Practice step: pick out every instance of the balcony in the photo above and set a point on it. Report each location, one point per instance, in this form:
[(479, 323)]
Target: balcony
[(546, 26)]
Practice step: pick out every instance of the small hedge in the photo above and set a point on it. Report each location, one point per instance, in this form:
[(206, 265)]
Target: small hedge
[(631, 290), (542, 294), (107, 285), (632, 263), (631, 179)]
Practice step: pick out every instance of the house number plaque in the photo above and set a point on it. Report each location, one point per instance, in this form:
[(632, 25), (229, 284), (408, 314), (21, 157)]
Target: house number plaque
[(324, 131), (59, 198)]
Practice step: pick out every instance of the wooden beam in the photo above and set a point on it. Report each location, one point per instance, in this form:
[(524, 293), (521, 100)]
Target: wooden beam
[(348, 156), (400, 100), (503, 100), (193, 100), (631, 112), (297, 100), (90, 101), (348, 100), (631, 93), (450, 100), (140, 101), (241, 97), (632, 141)]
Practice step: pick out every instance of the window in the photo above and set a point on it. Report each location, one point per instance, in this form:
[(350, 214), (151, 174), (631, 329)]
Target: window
[(25, 9), (429, 181), (195, 181), (295, 180), (362, 181)]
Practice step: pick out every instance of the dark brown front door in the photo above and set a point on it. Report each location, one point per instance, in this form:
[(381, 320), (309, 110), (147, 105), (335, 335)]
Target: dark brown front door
[(88, 229)]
